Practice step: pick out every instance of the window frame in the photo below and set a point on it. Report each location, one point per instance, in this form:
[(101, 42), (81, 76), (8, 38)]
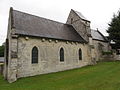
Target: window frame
[(62, 55), (34, 55), (80, 54)]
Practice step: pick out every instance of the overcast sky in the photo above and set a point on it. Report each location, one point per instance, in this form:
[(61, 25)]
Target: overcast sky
[(99, 12)]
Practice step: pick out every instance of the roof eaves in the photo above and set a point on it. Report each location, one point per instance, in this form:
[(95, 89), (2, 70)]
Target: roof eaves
[(82, 41)]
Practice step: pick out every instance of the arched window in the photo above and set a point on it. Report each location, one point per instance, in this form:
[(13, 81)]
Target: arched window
[(61, 55), (34, 54), (80, 54)]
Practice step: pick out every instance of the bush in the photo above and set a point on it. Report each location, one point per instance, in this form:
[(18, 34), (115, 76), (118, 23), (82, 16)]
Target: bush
[(107, 52)]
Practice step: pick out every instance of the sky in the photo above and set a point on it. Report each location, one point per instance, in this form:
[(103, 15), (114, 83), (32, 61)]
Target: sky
[(99, 12)]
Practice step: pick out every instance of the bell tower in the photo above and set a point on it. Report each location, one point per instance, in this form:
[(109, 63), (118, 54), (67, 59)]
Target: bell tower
[(80, 23)]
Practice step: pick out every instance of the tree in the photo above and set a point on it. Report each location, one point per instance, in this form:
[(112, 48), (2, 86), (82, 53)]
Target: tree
[(2, 51), (114, 29)]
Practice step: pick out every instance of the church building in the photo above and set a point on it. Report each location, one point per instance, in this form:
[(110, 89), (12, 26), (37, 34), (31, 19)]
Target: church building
[(37, 45)]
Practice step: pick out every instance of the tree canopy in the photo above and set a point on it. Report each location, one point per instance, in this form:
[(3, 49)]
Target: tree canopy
[(2, 51), (114, 29)]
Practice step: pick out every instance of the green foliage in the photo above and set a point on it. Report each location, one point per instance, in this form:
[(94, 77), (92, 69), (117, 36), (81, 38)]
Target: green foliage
[(107, 52), (2, 51), (114, 29), (103, 76)]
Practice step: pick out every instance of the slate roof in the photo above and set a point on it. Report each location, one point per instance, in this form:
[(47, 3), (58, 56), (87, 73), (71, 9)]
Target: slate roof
[(80, 15), (31, 25), (98, 36)]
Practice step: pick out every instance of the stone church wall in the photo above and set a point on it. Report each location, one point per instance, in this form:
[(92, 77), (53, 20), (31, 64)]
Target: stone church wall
[(49, 59), (98, 48), (48, 56)]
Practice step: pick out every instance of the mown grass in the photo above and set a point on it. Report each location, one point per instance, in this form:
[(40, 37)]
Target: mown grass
[(103, 76)]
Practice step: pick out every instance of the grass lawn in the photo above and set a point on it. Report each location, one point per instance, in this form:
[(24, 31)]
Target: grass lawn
[(103, 76)]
